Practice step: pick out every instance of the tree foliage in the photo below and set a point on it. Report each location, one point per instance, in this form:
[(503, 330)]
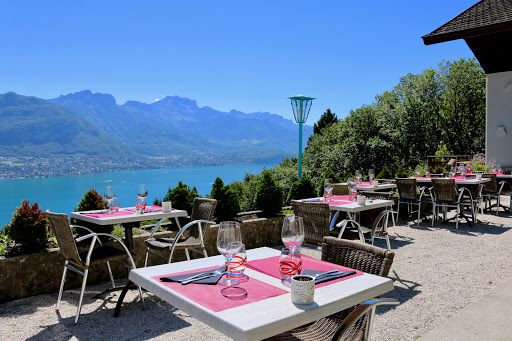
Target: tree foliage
[(182, 197), (405, 125), (269, 197), (228, 203), (325, 120), (91, 201), (301, 189)]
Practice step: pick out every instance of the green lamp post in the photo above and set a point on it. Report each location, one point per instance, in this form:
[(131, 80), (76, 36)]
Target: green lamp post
[(300, 106)]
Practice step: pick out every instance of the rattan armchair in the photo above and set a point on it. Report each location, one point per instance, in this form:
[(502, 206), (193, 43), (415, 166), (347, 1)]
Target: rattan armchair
[(353, 323), (493, 190), (410, 195), (95, 254), (316, 218), (201, 217), (446, 195)]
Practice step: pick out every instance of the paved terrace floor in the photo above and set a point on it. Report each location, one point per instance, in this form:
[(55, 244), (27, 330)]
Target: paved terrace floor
[(448, 282)]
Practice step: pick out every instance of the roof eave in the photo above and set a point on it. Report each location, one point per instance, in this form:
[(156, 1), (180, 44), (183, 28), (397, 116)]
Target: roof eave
[(441, 38)]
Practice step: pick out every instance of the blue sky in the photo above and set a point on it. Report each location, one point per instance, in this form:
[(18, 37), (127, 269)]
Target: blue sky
[(248, 56)]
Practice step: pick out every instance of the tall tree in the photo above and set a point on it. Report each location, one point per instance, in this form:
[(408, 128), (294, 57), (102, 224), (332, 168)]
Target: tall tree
[(325, 120)]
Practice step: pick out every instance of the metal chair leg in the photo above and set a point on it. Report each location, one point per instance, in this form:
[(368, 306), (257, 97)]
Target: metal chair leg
[(62, 284), (111, 277), (82, 290)]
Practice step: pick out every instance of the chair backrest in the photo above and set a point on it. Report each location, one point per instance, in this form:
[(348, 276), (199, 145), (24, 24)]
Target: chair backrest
[(386, 181), (203, 209), (339, 189), (64, 234), (356, 255), (316, 218), (490, 187), (407, 189), (378, 195), (445, 191)]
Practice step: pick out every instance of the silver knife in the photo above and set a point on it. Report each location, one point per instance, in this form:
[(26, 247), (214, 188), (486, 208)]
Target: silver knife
[(202, 277)]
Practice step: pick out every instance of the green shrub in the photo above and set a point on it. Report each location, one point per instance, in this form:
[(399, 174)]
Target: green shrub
[(438, 170), (385, 173), (91, 201), (301, 189), (269, 197), (246, 191), (401, 173), (29, 229), (181, 196), (329, 174), (447, 167), (228, 203)]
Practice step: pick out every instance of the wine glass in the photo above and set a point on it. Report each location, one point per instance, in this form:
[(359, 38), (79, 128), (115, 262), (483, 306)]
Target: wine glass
[(290, 264), (358, 176), (238, 265), (109, 194), (328, 190), (142, 192), (229, 243), (371, 175), (292, 233)]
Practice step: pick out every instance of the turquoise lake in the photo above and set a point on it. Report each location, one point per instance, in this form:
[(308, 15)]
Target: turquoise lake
[(62, 194)]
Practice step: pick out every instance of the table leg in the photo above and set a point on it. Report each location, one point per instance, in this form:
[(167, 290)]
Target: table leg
[(127, 287), (128, 236)]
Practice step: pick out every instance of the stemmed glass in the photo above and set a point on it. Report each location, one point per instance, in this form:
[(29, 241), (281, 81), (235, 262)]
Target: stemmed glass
[(352, 191), (328, 190), (229, 243), (371, 175), (358, 176), (109, 195), (292, 233), (142, 192)]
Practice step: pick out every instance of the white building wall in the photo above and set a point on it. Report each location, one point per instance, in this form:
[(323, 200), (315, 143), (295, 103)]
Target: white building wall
[(498, 135)]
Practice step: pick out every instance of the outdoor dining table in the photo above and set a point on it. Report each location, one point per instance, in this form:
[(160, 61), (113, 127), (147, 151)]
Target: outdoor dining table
[(459, 180), (341, 203), (267, 309), (366, 186), (128, 218)]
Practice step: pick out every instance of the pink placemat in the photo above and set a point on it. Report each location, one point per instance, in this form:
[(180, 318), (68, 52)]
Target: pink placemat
[(270, 266), (340, 197), (209, 296), (339, 202), (106, 214), (364, 184), (154, 208)]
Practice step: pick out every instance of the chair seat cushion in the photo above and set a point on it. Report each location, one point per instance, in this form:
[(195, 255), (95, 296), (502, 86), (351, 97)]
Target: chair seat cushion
[(103, 254), (166, 243)]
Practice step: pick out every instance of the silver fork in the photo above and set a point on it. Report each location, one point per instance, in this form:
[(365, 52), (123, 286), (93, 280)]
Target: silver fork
[(219, 270)]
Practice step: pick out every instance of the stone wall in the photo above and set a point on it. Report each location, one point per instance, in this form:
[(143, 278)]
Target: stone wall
[(41, 273)]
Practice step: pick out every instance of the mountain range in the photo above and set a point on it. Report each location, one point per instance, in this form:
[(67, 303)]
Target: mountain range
[(174, 129)]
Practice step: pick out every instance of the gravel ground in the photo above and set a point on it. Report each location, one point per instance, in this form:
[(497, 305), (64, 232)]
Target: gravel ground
[(437, 272)]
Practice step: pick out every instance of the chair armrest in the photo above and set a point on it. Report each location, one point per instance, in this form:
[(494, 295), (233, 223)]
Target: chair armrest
[(461, 193), (183, 229), (502, 184), (82, 227), (122, 244), (90, 235), (362, 309)]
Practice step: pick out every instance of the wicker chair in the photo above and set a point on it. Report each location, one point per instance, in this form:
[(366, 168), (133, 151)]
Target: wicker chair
[(408, 195), (378, 230), (96, 253), (476, 196), (494, 190), (446, 195), (201, 217), (339, 189), (353, 323), (316, 217)]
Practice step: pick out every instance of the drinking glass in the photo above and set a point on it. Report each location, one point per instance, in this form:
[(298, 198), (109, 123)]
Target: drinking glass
[(142, 192), (238, 264), (358, 176), (113, 205), (229, 243), (371, 175), (499, 169), (140, 206), (292, 233), (109, 195), (328, 190), (290, 264)]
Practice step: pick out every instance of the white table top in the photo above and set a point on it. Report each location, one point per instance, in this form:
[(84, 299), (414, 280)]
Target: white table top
[(129, 218), (371, 189), (354, 207), (457, 181), (265, 318)]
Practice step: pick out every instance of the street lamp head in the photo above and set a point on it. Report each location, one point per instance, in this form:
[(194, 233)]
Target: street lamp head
[(300, 106)]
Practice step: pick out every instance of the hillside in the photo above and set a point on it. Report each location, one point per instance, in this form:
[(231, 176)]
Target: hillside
[(35, 127), (177, 126)]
